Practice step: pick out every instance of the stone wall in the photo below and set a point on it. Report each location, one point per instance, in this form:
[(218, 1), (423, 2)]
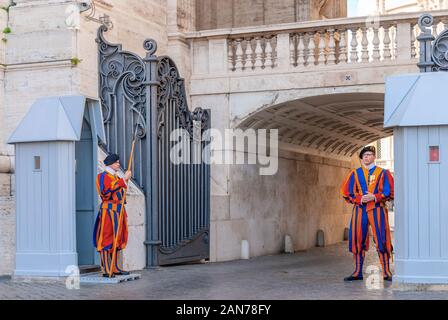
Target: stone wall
[(133, 22), (40, 51), (302, 198), (7, 224), (44, 57), (212, 14)]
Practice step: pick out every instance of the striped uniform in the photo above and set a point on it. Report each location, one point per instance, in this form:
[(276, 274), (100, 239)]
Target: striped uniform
[(379, 182), (111, 190)]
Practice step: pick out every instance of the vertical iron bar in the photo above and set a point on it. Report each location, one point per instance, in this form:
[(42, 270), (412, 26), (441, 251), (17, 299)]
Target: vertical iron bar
[(190, 189), (165, 178), (171, 178), (185, 186), (124, 134), (208, 194), (152, 214), (202, 185), (115, 125), (140, 163), (168, 182), (193, 189), (160, 166), (161, 169), (173, 104), (179, 218), (181, 193)]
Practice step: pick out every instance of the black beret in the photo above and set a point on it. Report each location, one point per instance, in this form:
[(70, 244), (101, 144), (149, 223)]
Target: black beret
[(110, 159), (367, 149)]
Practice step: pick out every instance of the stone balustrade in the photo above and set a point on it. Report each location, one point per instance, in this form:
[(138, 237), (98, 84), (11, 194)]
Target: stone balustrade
[(307, 45)]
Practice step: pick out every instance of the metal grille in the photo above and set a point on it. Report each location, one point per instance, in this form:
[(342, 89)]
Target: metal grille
[(149, 94), (184, 178)]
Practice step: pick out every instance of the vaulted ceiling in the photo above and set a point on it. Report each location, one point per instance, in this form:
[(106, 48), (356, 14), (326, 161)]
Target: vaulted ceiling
[(338, 124)]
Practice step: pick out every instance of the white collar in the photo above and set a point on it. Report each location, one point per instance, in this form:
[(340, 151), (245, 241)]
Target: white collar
[(370, 166), (111, 171)]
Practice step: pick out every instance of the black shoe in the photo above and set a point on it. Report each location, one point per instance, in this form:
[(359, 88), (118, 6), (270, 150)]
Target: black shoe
[(388, 278), (352, 278), (122, 273), (105, 275)]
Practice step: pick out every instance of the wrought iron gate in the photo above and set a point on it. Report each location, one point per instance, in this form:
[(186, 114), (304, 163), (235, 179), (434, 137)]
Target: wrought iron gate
[(170, 163)]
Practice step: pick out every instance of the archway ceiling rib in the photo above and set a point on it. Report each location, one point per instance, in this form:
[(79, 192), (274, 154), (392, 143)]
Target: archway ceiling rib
[(336, 124)]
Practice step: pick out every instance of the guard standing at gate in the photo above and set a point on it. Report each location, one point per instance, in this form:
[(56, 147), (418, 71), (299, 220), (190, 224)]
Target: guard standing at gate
[(368, 188), (111, 189)]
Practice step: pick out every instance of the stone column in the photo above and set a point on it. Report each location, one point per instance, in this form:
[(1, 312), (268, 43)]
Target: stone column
[(327, 9), (404, 41), (181, 19)]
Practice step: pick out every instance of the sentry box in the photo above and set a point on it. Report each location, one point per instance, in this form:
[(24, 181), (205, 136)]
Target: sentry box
[(416, 107), (56, 164)]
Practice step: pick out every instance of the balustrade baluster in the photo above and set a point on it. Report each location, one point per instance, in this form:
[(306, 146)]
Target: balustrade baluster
[(245, 47), (312, 59), (322, 47), (258, 54), (268, 63), (365, 46), (376, 45), (342, 46), (354, 44), (239, 55), (301, 51), (293, 50), (331, 59), (231, 55), (387, 55)]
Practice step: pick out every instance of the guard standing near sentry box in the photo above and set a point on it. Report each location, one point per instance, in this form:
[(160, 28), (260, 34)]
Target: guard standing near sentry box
[(111, 227), (368, 188)]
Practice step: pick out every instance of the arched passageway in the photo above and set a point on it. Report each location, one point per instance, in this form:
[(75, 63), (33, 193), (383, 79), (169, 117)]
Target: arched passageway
[(319, 139), (334, 125)]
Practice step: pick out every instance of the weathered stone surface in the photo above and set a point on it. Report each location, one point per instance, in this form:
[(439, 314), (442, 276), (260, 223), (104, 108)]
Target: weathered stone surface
[(315, 274), (212, 14), (38, 56), (7, 234)]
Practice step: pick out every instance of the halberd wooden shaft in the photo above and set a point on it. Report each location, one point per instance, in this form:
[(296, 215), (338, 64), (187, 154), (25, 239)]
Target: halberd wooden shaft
[(120, 217)]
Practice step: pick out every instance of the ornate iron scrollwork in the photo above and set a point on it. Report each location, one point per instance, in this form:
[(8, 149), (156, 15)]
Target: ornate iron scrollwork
[(125, 69), (149, 94), (425, 22), (172, 86), (440, 51), (433, 51), (123, 95)]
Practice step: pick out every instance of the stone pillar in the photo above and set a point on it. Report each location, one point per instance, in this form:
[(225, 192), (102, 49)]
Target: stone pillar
[(212, 14), (302, 10), (4, 17), (328, 9), (181, 18), (283, 53), (404, 41)]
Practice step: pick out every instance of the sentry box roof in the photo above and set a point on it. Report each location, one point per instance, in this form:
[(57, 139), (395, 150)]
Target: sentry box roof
[(58, 119), (416, 100)]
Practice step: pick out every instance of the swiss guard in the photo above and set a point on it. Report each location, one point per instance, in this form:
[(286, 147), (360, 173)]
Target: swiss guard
[(368, 188), (111, 233)]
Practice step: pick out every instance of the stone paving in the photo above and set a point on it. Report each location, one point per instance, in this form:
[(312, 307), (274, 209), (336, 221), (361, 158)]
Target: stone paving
[(313, 274)]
